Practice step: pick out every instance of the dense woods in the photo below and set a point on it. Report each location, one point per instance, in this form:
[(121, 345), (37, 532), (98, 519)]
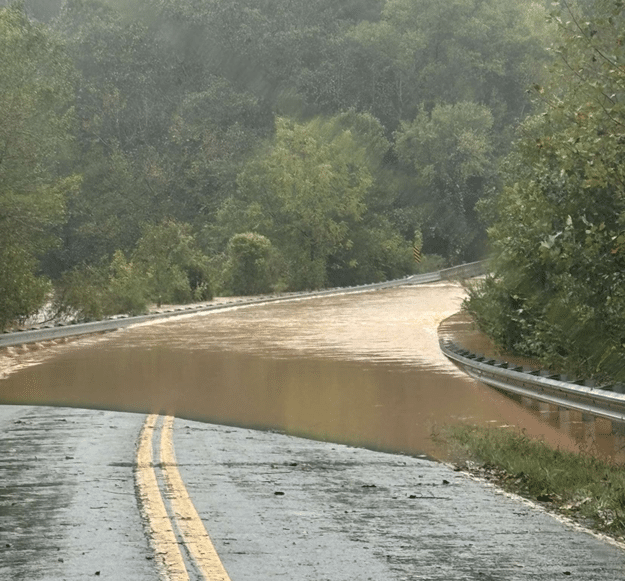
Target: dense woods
[(338, 133), (165, 150)]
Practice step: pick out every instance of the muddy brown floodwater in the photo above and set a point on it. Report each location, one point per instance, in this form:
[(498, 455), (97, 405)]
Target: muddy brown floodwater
[(361, 369)]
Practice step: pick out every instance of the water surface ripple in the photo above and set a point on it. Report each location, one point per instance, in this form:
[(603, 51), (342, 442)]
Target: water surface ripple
[(362, 369)]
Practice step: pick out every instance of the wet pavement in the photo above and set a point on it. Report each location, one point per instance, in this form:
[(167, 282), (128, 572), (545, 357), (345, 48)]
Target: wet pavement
[(277, 507), (284, 508), (68, 509)]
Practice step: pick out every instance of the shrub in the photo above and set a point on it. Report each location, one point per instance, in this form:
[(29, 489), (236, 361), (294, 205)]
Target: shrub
[(127, 291), (248, 267), (21, 291)]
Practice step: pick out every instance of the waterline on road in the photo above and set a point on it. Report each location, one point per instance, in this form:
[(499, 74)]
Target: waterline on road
[(363, 369)]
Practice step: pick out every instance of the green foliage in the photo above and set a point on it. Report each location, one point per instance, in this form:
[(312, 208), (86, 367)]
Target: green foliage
[(166, 109), (559, 223), (35, 100), (41, 10), (174, 269), (94, 292), (430, 263), (377, 253), (106, 214), (580, 483), (450, 150), (249, 264), (22, 292), (429, 51), (127, 291), (160, 134), (214, 131), (321, 192), (312, 184), (80, 294), (165, 267)]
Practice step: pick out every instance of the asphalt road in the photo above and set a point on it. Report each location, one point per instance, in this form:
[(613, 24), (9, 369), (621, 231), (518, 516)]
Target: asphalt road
[(68, 509), (276, 508)]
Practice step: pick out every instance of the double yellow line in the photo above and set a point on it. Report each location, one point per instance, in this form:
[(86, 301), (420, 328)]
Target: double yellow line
[(184, 519)]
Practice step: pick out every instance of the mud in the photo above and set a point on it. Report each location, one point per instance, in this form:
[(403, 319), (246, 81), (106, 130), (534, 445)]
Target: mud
[(363, 370)]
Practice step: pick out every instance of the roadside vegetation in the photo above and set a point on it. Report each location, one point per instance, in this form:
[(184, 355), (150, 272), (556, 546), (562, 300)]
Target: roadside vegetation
[(557, 292), (578, 485)]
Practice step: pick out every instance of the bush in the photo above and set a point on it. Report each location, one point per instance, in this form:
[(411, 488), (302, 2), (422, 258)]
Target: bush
[(22, 292), (127, 292), (558, 228), (248, 267), (431, 263), (166, 266), (80, 294), (92, 293), (377, 252)]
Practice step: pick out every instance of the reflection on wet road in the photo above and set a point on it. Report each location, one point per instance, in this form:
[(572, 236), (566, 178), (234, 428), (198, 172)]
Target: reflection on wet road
[(359, 369)]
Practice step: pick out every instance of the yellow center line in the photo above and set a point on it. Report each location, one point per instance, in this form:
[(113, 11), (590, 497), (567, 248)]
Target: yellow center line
[(188, 521), (163, 538)]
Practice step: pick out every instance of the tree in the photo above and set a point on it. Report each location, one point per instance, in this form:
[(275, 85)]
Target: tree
[(126, 291), (378, 252), (129, 82), (249, 264), (106, 215), (35, 100), (123, 106), (312, 184), (160, 135), (451, 152), (174, 269), (559, 223), (41, 10), (426, 52), (213, 133)]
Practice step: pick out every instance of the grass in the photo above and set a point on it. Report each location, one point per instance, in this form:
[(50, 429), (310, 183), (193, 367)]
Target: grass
[(576, 484)]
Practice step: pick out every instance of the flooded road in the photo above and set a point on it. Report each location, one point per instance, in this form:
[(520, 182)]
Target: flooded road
[(364, 370)]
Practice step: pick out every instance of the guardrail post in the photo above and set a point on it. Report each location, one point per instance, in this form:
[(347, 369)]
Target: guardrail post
[(546, 410), (618, 429), (603, 426), (567, 420)]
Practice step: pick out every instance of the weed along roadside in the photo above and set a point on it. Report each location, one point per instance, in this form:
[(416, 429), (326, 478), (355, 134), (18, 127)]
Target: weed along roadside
[(589, 490), (586, 486)]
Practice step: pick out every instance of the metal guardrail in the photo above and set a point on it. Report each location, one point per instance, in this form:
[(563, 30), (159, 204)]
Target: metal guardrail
[(605, 401), (52, 332), (466, 271)]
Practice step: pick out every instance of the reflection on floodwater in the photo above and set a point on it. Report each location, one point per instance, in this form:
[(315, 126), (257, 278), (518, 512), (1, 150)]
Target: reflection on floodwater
[(361, 369)]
